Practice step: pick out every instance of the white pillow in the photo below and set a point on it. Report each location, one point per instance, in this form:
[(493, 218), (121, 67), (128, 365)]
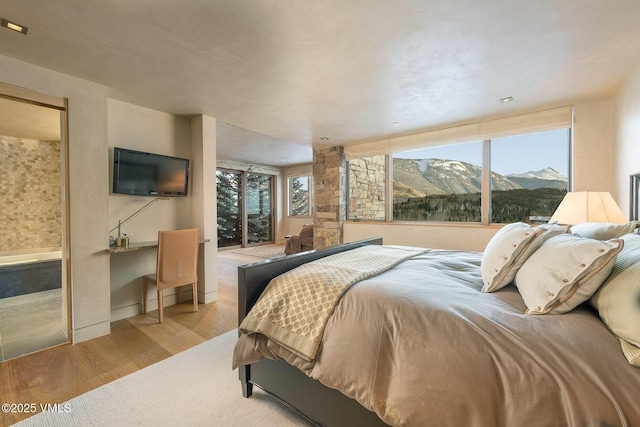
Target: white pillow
[(603, 230), (506, 252), (552, 230), (618, 299), (564, 272)]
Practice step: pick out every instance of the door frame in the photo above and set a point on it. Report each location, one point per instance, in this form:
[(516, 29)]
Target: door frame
[(243, 206), (19, 94)]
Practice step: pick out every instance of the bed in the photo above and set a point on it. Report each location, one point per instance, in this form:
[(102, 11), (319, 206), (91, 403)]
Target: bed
[(424, 342)]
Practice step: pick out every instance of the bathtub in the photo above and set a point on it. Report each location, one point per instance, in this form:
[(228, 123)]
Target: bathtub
[(29, 256), (29, 271)]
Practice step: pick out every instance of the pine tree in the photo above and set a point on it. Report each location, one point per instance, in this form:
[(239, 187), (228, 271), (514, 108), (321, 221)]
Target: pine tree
[(299, 197), (229, 209)]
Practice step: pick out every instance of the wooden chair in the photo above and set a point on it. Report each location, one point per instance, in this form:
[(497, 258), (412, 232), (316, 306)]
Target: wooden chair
[(177, 265)]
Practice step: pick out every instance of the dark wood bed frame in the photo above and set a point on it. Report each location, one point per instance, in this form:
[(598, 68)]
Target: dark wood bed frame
[(310, 398)]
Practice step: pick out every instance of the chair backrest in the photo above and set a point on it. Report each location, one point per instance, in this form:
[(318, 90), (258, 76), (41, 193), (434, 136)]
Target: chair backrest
[(307, 231), (177, 258)]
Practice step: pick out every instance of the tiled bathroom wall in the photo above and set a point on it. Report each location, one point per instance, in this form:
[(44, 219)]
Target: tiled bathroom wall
[(30, 195)]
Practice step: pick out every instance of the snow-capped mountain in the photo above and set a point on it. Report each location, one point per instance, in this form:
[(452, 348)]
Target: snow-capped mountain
[(420, 177), (547, 173), (545, 178)]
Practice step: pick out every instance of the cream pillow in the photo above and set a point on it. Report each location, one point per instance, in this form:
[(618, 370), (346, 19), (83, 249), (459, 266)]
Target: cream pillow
[(506, 252), (552, 230), (564, 272), (618, 299), (602, 230)]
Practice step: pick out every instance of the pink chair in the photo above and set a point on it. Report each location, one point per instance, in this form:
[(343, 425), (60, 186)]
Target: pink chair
[(177, 265)]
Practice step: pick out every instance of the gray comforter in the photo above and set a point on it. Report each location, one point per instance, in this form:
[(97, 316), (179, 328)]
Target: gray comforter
[(420, 345)]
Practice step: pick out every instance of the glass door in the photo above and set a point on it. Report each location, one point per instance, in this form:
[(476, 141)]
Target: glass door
[(245, 208), (259, 208), (229, 188)]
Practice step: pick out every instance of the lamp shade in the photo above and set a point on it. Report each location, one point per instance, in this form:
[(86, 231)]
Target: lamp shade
[(588, 206)]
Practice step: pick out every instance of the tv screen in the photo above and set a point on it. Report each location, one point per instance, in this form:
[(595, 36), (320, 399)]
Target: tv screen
[(148, 174)]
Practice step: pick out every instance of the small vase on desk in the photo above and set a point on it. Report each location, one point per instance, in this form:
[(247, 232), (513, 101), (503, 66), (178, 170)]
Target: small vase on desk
[(121, 241)]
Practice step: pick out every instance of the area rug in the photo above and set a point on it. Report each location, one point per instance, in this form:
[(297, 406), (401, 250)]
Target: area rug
[(263, 251), (194, 388)]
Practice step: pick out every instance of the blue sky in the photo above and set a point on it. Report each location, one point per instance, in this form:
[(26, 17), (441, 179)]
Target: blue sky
[(517, 154)]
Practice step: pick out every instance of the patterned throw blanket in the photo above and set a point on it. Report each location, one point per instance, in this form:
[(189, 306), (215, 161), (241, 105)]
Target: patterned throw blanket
[(295, 307)]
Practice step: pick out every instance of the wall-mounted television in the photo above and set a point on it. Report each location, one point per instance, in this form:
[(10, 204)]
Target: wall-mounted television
[(148, 174)]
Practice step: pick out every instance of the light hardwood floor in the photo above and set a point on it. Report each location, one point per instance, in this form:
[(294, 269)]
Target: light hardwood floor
[(60, 373)]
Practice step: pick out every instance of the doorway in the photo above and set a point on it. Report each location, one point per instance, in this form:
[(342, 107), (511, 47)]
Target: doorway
[(34, 296), (245, 208)]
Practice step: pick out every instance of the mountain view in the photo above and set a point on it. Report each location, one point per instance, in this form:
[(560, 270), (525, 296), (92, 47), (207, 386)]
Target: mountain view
[(449, 190)]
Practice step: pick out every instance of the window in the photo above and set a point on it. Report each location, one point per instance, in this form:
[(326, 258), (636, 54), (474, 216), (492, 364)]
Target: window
[(501, 180), (300, 196), (258, 190), (528, 176), (438, 184)]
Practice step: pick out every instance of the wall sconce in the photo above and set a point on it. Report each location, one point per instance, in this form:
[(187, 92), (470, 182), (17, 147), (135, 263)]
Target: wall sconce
[(124, 241)]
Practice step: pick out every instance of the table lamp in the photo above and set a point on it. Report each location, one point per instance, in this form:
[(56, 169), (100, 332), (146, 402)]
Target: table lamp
[(588, 206)]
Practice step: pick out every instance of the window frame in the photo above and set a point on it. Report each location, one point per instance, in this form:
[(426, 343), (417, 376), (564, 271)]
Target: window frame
[(634, 197), (243, 204), (486, 190), (309, 195)]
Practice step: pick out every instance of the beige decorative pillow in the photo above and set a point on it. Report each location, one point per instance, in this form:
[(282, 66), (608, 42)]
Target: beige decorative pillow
[(564, 272), (506, 252), (603, 230), (552, 230), (618, 299)]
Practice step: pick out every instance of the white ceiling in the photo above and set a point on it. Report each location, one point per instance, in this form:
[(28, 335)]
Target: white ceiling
[(293, 72)]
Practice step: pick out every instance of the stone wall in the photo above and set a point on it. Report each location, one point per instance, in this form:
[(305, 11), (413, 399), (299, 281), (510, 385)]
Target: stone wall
[(329, 183), (367, 188), (30, 181)]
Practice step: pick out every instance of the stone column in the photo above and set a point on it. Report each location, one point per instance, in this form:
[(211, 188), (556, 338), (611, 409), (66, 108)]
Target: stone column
[(367, 188), (330, 194)]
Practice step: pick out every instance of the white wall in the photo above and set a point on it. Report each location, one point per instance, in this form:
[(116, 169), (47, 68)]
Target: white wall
[(593, 146), (463, 237), (143, 129), (593, 169), (87, 193), (627, 129), (204, 205)]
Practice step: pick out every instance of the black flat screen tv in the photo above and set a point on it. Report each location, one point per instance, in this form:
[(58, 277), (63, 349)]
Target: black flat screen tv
[(148, 174)]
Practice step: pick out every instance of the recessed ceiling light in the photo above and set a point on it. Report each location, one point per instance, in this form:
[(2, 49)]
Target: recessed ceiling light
[(13, 26), (396, 123), (507, 99)]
